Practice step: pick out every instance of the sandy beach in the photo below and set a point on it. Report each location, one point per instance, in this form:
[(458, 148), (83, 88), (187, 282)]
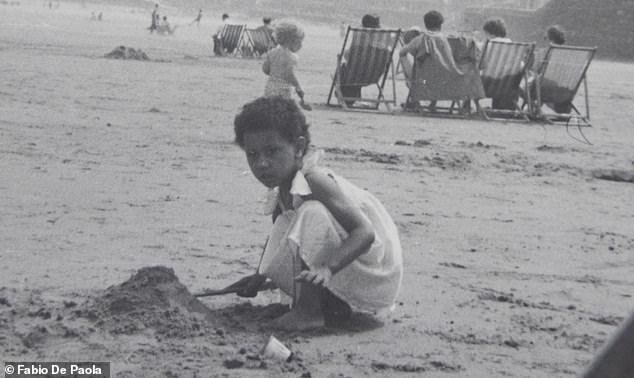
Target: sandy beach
[(518, 260)]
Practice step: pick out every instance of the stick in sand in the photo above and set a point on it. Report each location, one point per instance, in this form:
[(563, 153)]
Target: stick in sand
[(241, 283), (234, 288)]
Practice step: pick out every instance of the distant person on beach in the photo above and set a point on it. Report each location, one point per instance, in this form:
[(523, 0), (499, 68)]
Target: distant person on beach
[(165, 27), (198, 18), (155, 19), (280, 62), (100, 16), (333, 247), (219, 49), (266, 26)]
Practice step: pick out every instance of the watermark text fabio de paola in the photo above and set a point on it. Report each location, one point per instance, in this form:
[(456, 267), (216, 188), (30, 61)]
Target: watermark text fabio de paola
[(60, 369)]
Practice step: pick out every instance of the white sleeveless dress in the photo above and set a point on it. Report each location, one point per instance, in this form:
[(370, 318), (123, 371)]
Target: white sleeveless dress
[(309, 232)]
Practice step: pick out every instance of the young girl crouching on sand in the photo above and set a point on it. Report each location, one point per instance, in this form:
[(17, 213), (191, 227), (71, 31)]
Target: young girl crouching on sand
[(333, 247)]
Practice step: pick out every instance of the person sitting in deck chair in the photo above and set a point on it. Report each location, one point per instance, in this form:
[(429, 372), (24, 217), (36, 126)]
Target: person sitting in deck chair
[(266, 26), (218, 45), (495, 30), (555, 35), (371, 21), (432, 47), (268, 29)]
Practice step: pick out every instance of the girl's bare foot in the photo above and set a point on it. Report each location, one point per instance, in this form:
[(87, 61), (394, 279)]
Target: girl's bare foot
[(299, 321)]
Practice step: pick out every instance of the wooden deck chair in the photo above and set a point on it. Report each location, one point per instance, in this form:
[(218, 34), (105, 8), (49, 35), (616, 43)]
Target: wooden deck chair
[(446, 70), (503, 66), (231, 37), (465, 54), (365, 60), (262, 40), (257, 42), (557, 82)]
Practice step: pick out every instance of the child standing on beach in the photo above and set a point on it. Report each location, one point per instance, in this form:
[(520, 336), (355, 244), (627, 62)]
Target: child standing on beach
[(333, 247), (279, 63)]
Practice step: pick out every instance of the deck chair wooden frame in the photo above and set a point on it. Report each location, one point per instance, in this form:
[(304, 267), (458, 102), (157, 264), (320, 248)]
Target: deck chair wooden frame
[(232, 36), (364, 68), (404, 65), (256, 40), (503, 66), (577, 57)]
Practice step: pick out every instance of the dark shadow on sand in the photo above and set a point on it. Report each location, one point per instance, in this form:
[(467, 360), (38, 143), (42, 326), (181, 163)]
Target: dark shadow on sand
[(247, 317)]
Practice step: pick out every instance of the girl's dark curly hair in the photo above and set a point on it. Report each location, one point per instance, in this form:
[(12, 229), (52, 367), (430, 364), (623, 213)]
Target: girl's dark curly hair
[(271, 113)]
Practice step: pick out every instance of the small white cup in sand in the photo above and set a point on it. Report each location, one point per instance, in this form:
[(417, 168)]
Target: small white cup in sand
[(276, 350)]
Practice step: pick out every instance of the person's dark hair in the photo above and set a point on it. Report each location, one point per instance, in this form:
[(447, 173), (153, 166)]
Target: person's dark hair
[(556, 35), (271, 113), (371, 21), (225, 16), (495, 27), (433, 20), (266, 20), (410, 34)]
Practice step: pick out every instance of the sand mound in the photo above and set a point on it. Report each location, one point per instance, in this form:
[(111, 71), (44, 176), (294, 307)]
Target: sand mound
[(151, 298), (123, 52)]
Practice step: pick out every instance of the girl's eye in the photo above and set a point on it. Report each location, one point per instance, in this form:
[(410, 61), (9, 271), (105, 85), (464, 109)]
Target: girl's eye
[(251, 154), (271, 151)]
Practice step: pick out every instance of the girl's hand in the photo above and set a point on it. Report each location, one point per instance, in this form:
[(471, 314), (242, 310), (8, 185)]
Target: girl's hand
[(300, 93), (318, 276), (249, 285)]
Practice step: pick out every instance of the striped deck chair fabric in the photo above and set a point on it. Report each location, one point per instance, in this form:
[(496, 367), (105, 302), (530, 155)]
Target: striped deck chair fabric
[(365, 60), (231, 37), (560, 76), (503, 65), (260, 40)]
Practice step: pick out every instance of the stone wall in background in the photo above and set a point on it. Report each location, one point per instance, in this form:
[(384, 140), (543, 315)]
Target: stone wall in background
[(607, 24)]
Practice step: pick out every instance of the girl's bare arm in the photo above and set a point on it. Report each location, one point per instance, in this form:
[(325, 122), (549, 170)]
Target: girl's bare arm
[(266, 66), (360, 231), (291, 78)]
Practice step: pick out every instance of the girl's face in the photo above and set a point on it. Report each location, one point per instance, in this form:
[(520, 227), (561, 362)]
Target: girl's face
[(273, 160)]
